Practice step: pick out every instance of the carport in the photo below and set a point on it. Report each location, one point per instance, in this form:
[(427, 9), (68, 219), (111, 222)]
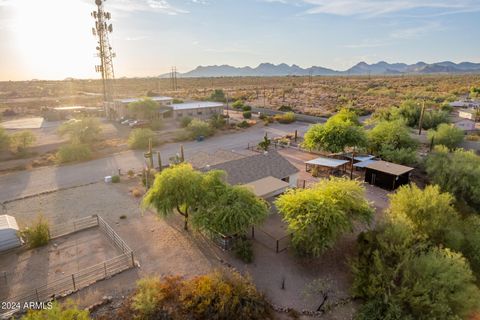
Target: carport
[(331, 165), (268, 187)]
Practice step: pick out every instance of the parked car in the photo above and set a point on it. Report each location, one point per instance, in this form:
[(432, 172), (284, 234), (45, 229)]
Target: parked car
[(140, 124), (126, 122)]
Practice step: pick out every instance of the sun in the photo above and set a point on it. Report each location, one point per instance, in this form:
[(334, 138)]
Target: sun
[(53, 37)]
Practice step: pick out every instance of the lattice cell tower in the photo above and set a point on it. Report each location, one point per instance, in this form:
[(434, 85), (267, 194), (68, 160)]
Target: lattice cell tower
[(105, 52)]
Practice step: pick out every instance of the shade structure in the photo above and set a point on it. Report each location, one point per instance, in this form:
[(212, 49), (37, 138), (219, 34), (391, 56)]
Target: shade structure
[(268, 187)]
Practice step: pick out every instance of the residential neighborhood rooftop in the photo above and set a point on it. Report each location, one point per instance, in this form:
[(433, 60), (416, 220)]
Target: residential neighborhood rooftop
[(327, 162), (389, 167)]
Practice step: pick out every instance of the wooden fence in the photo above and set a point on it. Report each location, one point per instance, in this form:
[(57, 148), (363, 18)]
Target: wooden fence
[(68, 284)]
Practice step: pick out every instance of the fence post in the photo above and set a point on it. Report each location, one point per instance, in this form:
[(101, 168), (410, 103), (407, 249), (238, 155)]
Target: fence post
[(277, 247), (36, 292), (98, 222), (74, 227), (133, 260), (253, 232), (5, 276), (73, 281), (105, 268)]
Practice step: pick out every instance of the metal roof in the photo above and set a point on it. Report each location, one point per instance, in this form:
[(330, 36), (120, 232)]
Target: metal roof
[(196, 105), (8, 222), (359, 157), (69, 108), (363, 164), (252, 168), (267, 186), (159, 98), (327, 162), (389, 167)]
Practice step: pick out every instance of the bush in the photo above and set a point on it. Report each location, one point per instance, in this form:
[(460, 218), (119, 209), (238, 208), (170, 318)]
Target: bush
[(247, 108), (199, 128), (139, 138), (177, 101), (218, 95), (213, 296), (404, 156), (286, 118), (243, 250), (238, 105), (67, 311), (81, 131), (4, 139), (217, 121), (156, 125), (447, 135), (38, 234), (247, 114), (115, 179), (243, 124), (432, 119), (285, 108), (185, 121), (73, 152), (20, 141)]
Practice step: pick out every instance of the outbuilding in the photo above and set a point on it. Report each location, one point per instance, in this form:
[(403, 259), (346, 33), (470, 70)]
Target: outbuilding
[(387, 175), (328, 164), (9, 238)]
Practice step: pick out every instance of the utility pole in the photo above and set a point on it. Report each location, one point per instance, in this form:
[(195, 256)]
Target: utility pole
[(420, 122), (105, 52)]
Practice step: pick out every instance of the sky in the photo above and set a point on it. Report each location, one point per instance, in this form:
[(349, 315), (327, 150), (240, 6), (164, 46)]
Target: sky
[(52, 39)]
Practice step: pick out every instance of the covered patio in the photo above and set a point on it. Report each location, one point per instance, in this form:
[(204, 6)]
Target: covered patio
[(329, 165), (268, 187)]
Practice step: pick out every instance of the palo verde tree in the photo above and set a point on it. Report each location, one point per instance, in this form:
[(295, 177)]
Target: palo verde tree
[(339, 132), (447, 135), (83, 131), (144, 108), (457, 172), (317, 217)]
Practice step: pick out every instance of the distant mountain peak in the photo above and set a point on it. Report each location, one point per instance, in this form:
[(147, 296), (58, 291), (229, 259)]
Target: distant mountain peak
[(361, 68)]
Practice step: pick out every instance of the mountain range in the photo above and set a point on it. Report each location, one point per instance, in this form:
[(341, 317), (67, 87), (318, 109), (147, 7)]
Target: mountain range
[(362, 68)]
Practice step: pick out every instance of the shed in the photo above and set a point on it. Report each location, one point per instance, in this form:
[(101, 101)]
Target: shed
[(387, 175), (8, 233), (328, 163), (268, 187)]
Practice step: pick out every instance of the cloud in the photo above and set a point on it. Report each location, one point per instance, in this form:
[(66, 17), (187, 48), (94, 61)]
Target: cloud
[(417, 32), (374, 8)]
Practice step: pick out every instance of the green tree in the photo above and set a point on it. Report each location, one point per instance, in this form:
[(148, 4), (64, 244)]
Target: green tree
[(139, 138), (199, 127), (85, 130), (218, 95), (144, 109), (392, 141), (4, 140), (317, 217), (265, 143), (67, 311), (447, 135), (247, 114), (231, 211), (432, 119), (185, 121), (22, 140), (410, 112), (73, 152), (217, 121), (429, 212), (183, 189), (471, 245), (238, 105), (457, 172), (339, 132)]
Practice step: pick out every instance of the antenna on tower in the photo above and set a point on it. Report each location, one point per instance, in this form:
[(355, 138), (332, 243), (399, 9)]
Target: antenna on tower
[(173, 78), (105, 52)]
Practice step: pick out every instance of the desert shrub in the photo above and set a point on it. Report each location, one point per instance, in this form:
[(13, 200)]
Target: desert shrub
[(185, 121), (247, 108), (243, 250), (4, 140), (131, 173), (243, 124), (217, 121), (156, 125), (404, 156), (223, 296), (38, 234), (199, 127), (447, 135), (66, 311), (471, 245), (238, 105), (73, 152), (115, 179), (285, 108), (247, 114), (432, 119), (262, 116), (285, 118), (81, 131), (177, 101), (20, 141), (139, 138), (218, 95), (182, 135)]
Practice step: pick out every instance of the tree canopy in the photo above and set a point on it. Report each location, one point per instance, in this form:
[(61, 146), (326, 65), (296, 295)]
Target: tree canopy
[(317, 217), (145, 108), (457, 172), (339, 132), (447, 135), (139, 138), (207, 198), (85, 130), (22, 140), (198, 127)]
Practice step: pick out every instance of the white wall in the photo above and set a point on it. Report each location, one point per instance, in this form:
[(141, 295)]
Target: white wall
[(293, 180)]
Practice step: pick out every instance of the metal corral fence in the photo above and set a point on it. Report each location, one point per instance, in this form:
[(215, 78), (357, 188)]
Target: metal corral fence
[(276, 244), (68, 284)]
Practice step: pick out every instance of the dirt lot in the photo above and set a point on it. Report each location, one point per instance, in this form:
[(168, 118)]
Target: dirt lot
[(29, 269)]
